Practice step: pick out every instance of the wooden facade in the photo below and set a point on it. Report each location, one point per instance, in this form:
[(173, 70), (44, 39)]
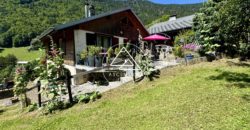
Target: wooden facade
[(122, 24)]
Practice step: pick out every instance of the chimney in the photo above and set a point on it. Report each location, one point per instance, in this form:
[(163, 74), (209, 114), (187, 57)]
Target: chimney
[(172, 17), (91, 10), (86, 9)]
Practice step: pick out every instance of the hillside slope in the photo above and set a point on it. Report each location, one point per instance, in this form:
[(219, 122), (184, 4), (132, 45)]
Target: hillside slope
[(203, 96)]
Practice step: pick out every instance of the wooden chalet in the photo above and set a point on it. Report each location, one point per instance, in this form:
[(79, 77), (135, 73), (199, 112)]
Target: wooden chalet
[(102, 30)]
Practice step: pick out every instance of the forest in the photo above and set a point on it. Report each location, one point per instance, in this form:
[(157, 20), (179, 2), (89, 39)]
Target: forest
[(23, 20)]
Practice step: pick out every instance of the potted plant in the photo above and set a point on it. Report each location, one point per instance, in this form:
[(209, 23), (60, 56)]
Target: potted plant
[(98, 58), (117, 50), (91, 55), (109, 54), (84, 57)]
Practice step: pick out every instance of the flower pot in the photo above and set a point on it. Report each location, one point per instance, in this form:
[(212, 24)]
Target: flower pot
[(189, 57), (85, 62), (98, 61), (91, 61), (210, 57)]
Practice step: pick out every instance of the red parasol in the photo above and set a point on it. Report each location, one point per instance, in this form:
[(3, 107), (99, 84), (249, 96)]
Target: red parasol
[(155, 37)]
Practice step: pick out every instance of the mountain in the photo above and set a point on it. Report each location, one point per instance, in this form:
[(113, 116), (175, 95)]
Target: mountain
[(22, 20)]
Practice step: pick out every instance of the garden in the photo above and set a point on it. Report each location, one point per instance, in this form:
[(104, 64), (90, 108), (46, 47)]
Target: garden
[(213, 95), (207, 95)]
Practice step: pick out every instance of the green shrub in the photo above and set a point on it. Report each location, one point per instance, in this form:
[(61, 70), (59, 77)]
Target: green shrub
[(187, 36), (32, 107), (91, 50), (7, 73), (147, 67), (53, 106), (98, 50), (178, 51), (117, 50), (110, 52), (7, 67), (92, 96), (84, 54)]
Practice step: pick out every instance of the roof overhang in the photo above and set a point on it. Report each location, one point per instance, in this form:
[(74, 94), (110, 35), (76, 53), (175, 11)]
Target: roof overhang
[(85, 20), (175, 25)]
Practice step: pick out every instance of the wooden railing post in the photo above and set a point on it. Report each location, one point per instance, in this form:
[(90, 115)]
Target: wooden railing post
[(68, 84), (39, 94), (134, 55)]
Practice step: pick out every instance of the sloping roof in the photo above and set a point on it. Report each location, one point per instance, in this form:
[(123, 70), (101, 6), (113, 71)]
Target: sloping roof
[(84, 20), (180, 23)]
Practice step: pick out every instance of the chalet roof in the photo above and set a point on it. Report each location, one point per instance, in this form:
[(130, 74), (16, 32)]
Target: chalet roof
[(84, 20), (180, 23)]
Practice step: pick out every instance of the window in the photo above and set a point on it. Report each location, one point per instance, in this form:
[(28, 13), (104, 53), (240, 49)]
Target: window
[(91, 39), (104, 41), (62, 45)]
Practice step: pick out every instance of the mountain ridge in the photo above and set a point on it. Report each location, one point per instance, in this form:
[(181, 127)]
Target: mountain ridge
[(21, 21)]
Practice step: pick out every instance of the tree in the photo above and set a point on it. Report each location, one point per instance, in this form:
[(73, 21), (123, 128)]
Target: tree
[(224, 26), (235, 27), (206, 25)]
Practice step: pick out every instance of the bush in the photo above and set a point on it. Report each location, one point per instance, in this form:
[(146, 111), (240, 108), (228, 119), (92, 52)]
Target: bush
[(110, 52), (178, 51), (7, 67), (7, 73), (117, 50), (7, 60), (84, 54), (87, 97), (91, 50), (244, 51), (32, 107), (187, 36), (147, 67)]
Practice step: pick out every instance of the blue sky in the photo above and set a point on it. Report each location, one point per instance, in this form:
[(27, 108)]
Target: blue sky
[(177, 1)]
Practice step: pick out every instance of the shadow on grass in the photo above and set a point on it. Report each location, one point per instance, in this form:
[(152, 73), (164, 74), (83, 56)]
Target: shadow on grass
[(6, 94), (234, 79), (242, 64), (154, 75), (246, 97), (240, 80), (1, 112)]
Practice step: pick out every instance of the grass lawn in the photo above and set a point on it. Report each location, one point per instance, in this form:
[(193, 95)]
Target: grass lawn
[(203, 96), (21, 53)]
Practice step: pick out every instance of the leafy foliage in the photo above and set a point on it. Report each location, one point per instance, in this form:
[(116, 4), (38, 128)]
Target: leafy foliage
[(32, 107), (147, 67), (84, 54), (52, 75), (7, 66), (23, 20), (223, 25), (185, 37), (24, 74), (88, 97), (178, 51)]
